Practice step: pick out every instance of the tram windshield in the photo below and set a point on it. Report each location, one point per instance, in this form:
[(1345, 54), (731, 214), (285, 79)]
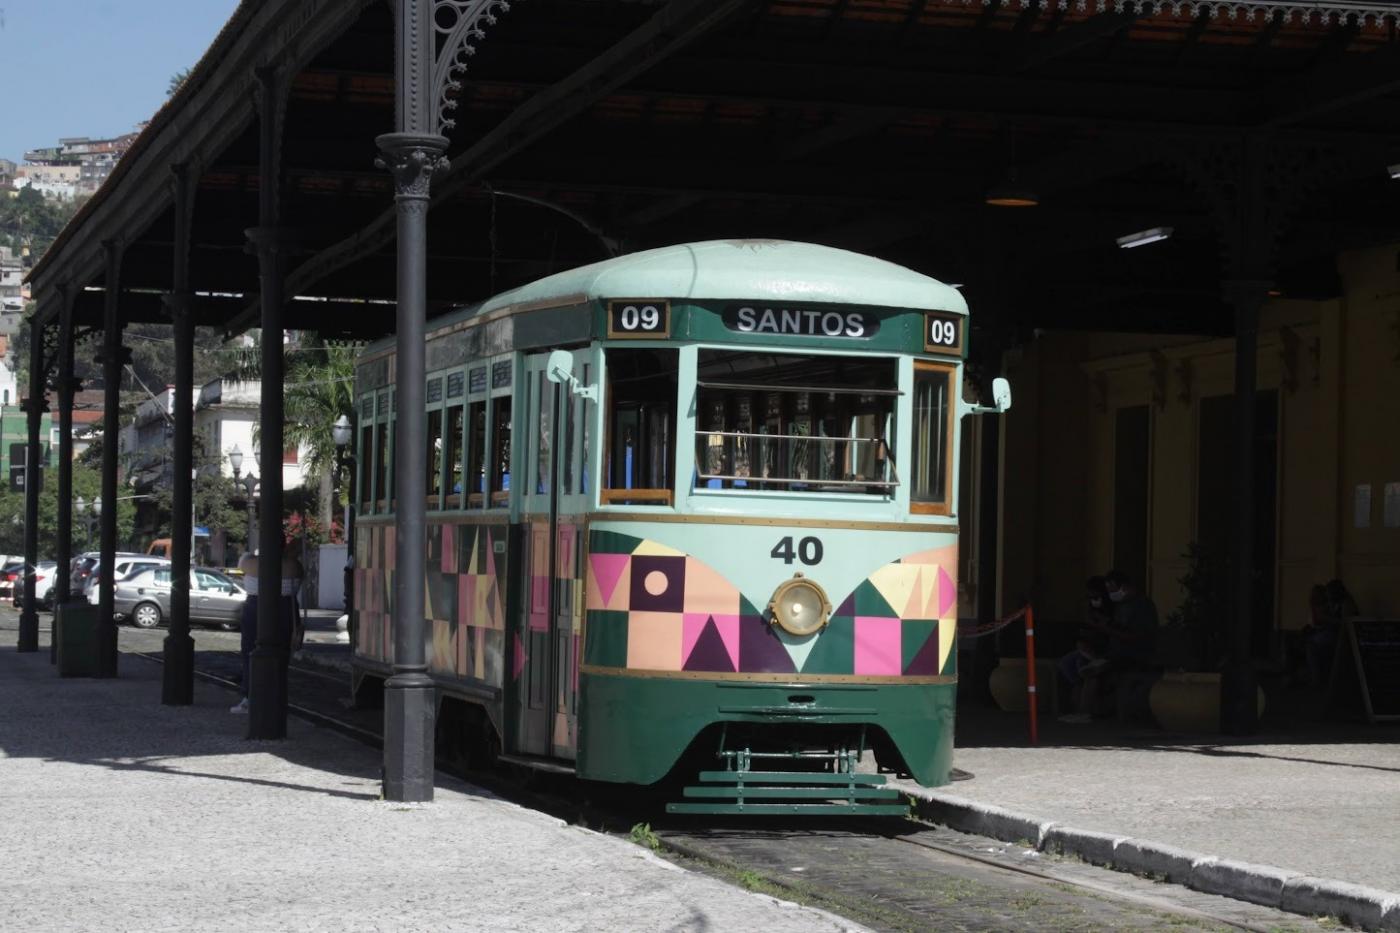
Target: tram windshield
[(793, 423)]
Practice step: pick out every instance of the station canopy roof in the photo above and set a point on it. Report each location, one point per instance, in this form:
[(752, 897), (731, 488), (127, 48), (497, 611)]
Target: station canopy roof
[(589, 127)]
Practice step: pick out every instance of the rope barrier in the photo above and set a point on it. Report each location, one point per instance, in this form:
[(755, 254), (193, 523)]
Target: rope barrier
[(1027, 613), (986, 628)]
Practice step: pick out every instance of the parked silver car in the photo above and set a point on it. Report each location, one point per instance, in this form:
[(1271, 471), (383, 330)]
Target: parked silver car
[(128, 565), (144, 598)]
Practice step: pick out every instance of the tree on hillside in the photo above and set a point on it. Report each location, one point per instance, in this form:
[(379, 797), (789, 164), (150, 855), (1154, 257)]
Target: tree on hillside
[(30, 219), (87, 483)]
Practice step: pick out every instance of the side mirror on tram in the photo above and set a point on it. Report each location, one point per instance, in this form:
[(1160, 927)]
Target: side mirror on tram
[(560, 369), (1001, 394), (1001, 399)]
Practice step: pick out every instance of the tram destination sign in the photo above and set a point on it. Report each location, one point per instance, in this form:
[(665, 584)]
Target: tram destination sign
[(796, 321), (943, 332), (633, 318)]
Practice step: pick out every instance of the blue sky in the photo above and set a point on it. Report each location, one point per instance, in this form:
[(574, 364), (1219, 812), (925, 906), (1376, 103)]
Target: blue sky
[(93, 67)]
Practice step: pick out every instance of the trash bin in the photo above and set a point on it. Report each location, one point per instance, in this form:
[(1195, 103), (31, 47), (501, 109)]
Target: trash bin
[(75, 628)]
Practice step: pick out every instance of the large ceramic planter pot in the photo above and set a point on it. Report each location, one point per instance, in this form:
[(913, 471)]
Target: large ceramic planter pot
[(1007, 683), (1189, 702)]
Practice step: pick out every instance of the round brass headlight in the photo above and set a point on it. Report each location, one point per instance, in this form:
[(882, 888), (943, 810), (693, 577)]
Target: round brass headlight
[(799, 606)]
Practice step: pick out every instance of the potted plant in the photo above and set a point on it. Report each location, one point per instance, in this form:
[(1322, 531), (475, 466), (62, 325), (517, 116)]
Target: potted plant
[(1186, 698)]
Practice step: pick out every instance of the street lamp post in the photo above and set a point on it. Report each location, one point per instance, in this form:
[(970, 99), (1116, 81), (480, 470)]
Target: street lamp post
[(248, 484), (81, 506), (343, 432)]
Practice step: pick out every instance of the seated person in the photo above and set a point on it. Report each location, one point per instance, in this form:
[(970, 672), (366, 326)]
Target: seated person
[(1091, 644), (1133, 633), (1329, 605)]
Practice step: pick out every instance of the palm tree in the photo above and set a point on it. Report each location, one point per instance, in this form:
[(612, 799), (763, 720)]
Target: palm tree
[(318, 387)]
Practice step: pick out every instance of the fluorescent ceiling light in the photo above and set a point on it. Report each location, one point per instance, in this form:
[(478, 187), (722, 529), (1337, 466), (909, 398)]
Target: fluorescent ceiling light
[(1143, 237)]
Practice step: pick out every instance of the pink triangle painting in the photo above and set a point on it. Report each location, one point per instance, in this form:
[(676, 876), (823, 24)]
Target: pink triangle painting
[(607, 570), (695, 624), (710, 653), (947, 592)]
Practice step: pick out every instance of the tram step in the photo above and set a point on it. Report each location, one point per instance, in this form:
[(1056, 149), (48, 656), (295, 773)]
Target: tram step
[(790, 809), (802, 793), (790, 777)]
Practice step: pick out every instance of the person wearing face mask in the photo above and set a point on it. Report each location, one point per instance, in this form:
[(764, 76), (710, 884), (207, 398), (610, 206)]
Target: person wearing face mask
[(1133, 639), (1091, 644)]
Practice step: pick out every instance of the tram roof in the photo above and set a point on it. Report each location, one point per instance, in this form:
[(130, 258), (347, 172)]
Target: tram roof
[(752, 269)]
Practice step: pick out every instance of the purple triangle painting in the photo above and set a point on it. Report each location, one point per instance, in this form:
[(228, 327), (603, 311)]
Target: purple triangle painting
[(709, 653), (760, 652), (925, 661)]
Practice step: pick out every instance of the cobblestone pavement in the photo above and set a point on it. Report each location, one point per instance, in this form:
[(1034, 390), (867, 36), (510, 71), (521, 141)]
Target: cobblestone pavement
[(911, 887), (121, 814)]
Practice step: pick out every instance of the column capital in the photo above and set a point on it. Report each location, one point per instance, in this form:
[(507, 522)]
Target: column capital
[(413, 159)]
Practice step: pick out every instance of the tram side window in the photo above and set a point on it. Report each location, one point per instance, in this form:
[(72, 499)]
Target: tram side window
[(584, 465), (794, 423), (434, 460), (476, 457), (381, 467), (640, 457), (366, 468), (929, 491), (500, 450), (543, 444), (455, 444)]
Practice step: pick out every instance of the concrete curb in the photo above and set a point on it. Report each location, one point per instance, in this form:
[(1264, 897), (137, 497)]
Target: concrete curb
[(1368, 908)]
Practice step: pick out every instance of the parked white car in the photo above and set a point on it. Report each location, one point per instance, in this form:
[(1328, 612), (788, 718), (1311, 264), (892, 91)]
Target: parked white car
[(123, 568), (44, 574)]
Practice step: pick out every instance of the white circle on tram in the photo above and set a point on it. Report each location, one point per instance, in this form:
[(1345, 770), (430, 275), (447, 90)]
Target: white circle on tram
[(656, 583)]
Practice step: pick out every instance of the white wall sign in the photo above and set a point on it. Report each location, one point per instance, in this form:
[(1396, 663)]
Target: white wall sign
[(1361, 506)]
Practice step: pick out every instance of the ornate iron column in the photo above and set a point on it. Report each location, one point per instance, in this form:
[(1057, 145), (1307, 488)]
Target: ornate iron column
[(177, 684), (1239, 711), (1253, 184), (34, 407), (433, 43), (267, 687), (113, 357), (66, 386)]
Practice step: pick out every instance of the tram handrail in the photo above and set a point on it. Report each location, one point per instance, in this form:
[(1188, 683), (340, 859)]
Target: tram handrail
[(888, 460), (776, 387)]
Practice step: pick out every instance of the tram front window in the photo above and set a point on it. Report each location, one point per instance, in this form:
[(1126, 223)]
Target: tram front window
[(641, 403), (791, 423), (933, 437)]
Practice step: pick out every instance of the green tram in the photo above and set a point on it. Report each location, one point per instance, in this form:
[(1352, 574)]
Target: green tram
[(691, 512)]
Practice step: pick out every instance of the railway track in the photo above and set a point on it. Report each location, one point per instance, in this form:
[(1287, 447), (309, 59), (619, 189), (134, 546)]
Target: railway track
[(887, 874)]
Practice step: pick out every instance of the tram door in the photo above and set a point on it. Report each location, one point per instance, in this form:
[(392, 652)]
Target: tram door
[(556, 448)]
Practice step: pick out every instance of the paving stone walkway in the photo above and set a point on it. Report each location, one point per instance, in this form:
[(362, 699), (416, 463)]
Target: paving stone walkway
[(121, 814), (1317, 798)]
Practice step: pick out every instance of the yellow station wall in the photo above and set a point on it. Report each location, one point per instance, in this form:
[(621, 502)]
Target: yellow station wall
[(1336, 366)]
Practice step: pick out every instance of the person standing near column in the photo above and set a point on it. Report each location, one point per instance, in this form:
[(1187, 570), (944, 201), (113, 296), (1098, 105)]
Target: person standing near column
[(292, 629), (248, 624)]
